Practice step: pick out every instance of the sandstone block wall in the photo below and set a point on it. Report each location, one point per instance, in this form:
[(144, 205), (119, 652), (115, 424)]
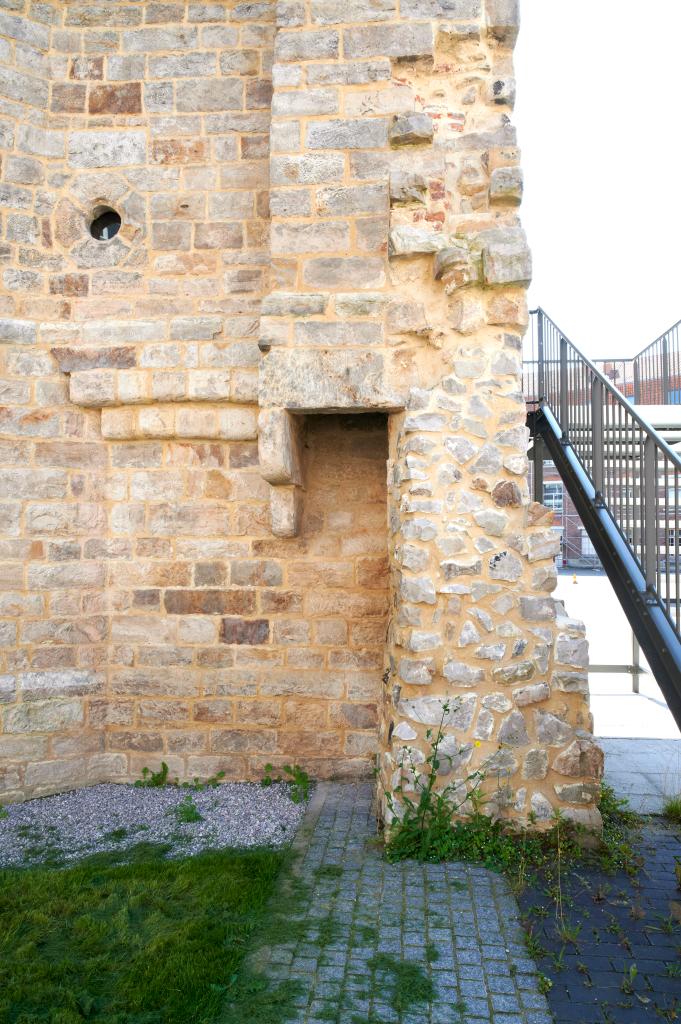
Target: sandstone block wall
[(319, 215)]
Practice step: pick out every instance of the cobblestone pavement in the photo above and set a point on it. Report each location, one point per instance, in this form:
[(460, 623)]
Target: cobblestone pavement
[(364, 917), (624, 965)]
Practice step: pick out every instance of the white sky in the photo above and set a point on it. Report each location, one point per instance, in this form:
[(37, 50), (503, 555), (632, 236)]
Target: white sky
[(599, 124)]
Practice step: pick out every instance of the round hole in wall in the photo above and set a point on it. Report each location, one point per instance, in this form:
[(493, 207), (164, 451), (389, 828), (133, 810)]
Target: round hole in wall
[(105, 223)]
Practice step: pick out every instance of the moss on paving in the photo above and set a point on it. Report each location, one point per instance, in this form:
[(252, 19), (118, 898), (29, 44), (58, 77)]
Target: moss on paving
[(140, 940)]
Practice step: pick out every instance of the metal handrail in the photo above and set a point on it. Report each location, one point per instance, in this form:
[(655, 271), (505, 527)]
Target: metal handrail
[(653, 376), (635, 474)]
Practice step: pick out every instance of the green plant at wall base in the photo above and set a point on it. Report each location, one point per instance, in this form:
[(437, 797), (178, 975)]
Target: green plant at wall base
[(425, 818), (672, 809), (4, 813), (153, 780), (295, 776)]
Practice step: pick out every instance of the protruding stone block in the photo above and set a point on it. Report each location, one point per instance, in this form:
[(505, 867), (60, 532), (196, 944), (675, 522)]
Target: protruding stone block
[(279, 447), (408, 129), (285, 510)]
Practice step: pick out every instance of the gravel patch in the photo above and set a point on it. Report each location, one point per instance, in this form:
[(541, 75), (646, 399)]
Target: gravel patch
[(107, 818)]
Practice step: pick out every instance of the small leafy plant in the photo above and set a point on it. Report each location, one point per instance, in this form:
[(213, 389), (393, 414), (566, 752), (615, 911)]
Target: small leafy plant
[(187, 812), (4, 813), (153, 780), (544, 984), (295, 776), (628, 980)]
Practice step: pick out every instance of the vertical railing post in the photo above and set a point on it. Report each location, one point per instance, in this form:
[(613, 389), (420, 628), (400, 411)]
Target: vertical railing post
[(636, 665), (649, 511), (598, 438), (637, 383), (538, 469), (563, 386), (665, 370), (541, 374)]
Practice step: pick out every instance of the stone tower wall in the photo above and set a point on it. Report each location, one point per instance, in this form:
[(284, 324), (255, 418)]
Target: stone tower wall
[(319, 216)]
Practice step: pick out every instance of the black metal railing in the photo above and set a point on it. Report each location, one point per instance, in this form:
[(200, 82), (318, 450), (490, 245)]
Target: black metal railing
[(635, 474)]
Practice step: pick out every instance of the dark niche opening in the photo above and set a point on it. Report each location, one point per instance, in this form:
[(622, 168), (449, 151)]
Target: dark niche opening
[(105, 223)]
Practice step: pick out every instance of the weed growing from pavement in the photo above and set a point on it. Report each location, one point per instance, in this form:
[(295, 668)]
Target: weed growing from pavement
[(672, 809), (329, 871), (427, 830), (405, 984)]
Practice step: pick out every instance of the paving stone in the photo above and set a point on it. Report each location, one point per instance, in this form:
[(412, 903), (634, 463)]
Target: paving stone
[(396, 909)]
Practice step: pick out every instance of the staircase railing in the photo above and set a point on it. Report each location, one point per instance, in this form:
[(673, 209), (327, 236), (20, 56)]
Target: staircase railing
[(633, 470), (653, 377), (625, 478)]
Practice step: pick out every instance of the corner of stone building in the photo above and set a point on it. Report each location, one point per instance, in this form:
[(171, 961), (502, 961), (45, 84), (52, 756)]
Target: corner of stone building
[(318, 216)]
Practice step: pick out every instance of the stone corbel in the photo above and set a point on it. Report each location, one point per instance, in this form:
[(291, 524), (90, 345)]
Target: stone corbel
[(281, 464)]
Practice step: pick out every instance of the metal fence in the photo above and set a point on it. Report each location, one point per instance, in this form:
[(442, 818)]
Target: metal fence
[(653, 377), (634, 472)]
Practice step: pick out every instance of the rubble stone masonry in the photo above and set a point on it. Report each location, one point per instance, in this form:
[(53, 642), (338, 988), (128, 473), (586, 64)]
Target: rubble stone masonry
[(320, 271)]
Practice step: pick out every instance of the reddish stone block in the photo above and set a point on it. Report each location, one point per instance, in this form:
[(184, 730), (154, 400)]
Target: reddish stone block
[(70, 359), (69, 284), (243, 455), (245, 631), (209, 602), (178, 151), (116, 99)]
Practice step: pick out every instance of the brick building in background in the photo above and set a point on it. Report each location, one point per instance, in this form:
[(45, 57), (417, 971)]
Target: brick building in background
[(252, 254)]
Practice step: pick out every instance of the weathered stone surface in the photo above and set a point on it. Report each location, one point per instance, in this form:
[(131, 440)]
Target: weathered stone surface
[(582, 759), (244, 631), (106, 149), (536, 764), (579, 793), (506, 185), (552, 731), (508, 260), (505, 566), (503, 19), (534, 694), (462, 674), (454, 713), (572, 651), (513, 730), (408, 129), (43, 716), (416, 672), (414, 241)]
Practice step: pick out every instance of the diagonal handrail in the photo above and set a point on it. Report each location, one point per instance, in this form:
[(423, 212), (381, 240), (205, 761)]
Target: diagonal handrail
[(626, 477)]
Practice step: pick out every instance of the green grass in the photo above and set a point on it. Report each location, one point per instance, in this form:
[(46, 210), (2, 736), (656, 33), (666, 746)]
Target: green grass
[(142, 941), (406, 984), (672, 809)]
